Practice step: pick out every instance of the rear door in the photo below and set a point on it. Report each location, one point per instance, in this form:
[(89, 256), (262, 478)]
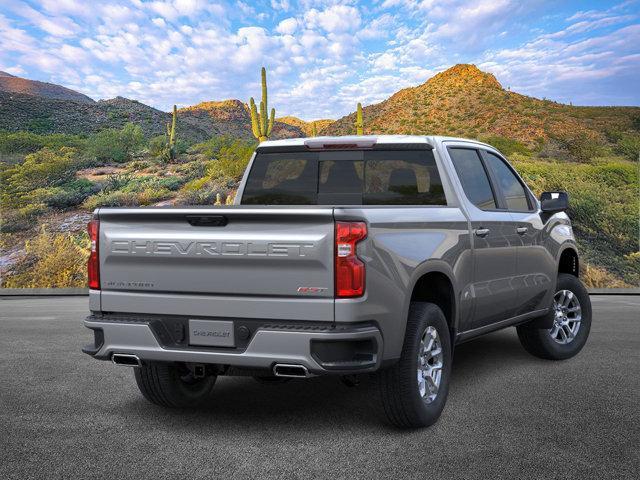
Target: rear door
[(535, 264), (493, 239)]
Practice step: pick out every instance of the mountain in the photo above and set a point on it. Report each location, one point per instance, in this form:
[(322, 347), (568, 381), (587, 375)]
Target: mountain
[(231, 117), (47, 108), (464, 101), (304, 126), (16, 85)]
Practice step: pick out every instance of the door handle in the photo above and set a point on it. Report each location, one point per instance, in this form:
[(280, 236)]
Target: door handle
[(522, 230), (482, 232)]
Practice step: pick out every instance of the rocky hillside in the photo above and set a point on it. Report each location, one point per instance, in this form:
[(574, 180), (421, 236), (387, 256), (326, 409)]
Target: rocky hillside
[(12, 85), (231, 117), (464, 101), (304, 126), (20, 111)]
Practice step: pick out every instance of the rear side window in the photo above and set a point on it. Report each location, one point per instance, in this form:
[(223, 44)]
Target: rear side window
[(473, 177), (377, 177), (512, 189)]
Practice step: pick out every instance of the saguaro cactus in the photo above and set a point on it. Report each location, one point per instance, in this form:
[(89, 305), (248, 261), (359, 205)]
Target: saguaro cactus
[(359, 125), (171, 135), (260, 124), (314, 130)]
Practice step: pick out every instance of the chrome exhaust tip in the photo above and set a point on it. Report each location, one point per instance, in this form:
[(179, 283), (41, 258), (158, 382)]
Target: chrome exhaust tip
[(126, 360), (290, 371)]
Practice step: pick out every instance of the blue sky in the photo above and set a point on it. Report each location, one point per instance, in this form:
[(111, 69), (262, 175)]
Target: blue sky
[(322, 56)]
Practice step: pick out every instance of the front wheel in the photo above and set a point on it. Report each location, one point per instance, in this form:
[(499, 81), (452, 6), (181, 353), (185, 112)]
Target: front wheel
[(414, 391), (571, 323)]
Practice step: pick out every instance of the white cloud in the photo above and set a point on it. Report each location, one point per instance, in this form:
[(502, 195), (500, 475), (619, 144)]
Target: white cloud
[(280, 5), (56, 26), (287, 26), (335, 19), (159, 22)]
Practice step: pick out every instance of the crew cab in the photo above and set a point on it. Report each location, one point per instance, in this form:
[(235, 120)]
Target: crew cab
[(341, 256)]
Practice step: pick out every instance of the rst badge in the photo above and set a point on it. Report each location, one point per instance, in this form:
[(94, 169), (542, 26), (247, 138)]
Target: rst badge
[(311, 290)]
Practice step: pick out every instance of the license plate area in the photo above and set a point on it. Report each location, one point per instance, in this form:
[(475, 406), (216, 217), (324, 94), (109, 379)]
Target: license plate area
[(211, 333)]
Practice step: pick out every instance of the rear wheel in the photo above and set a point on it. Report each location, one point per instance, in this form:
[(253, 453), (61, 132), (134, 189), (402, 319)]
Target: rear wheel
[(571, 323), (414, 391), (174, 385)]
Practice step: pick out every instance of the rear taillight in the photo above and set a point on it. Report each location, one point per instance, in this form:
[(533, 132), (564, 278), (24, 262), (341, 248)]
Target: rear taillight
[(350, 270), (93, 265)]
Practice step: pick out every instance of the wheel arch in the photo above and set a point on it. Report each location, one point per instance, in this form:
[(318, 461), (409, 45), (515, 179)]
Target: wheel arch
[(569, 261), (434, 283)]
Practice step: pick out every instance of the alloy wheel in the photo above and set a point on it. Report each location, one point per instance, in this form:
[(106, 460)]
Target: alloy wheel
[(430, 362), (567, 317)]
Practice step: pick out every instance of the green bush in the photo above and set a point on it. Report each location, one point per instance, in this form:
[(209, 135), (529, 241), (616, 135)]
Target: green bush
[(52, 260), (581, 146), (116, 145), (629, 146), (44, 169), (507, 146), (111, 199), (24, 218), (233, 159), (28, 142), (68, 195), (157, 145), (145, 196), (603, 207)]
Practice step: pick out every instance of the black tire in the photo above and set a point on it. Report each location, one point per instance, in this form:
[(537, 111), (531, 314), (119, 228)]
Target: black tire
[(539, 341), (173, 385), (402, 402)]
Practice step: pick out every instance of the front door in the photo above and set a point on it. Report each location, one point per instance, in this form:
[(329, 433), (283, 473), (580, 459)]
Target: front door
[(494, 241), (535, 265)]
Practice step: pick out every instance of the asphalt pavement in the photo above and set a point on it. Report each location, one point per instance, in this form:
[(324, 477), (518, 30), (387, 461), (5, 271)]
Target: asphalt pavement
[(509, 415)]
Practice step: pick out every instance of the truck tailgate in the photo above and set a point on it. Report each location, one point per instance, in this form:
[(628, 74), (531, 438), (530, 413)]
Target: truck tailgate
[(165, 260)]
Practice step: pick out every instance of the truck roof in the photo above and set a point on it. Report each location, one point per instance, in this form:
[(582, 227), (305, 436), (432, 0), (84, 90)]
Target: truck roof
[(362, 140)]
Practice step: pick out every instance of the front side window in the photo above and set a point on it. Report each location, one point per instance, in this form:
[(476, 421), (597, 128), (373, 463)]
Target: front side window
[(513, 191), (473, 176), (372, 177)]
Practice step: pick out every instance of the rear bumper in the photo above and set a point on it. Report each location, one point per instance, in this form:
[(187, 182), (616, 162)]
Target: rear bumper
[(320, 349)]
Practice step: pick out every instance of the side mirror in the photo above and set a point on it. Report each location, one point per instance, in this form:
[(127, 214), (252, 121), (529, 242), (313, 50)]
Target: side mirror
[(552, 202)]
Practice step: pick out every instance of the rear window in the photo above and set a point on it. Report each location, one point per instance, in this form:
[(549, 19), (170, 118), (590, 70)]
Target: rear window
[(377, 177)]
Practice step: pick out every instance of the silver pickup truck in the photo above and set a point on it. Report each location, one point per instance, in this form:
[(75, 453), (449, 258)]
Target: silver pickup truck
[(341, 256)]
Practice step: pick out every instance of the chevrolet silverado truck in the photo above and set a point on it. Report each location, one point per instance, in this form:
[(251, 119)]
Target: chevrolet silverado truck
[(340, 256)]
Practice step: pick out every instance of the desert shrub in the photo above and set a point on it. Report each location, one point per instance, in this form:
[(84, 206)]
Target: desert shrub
[(157, 145), (580, 146), (116, 145), (507, 146), (233, 159), (40, 125), (42, 169), (149, 196), (603, 207), (116, 182), (111, 199), (51, 261), (215, 146), (206, 195), (68, 195), (146, 196), (594, 277), (171, 183), (24, 218), (629, 146), (28, 142)]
